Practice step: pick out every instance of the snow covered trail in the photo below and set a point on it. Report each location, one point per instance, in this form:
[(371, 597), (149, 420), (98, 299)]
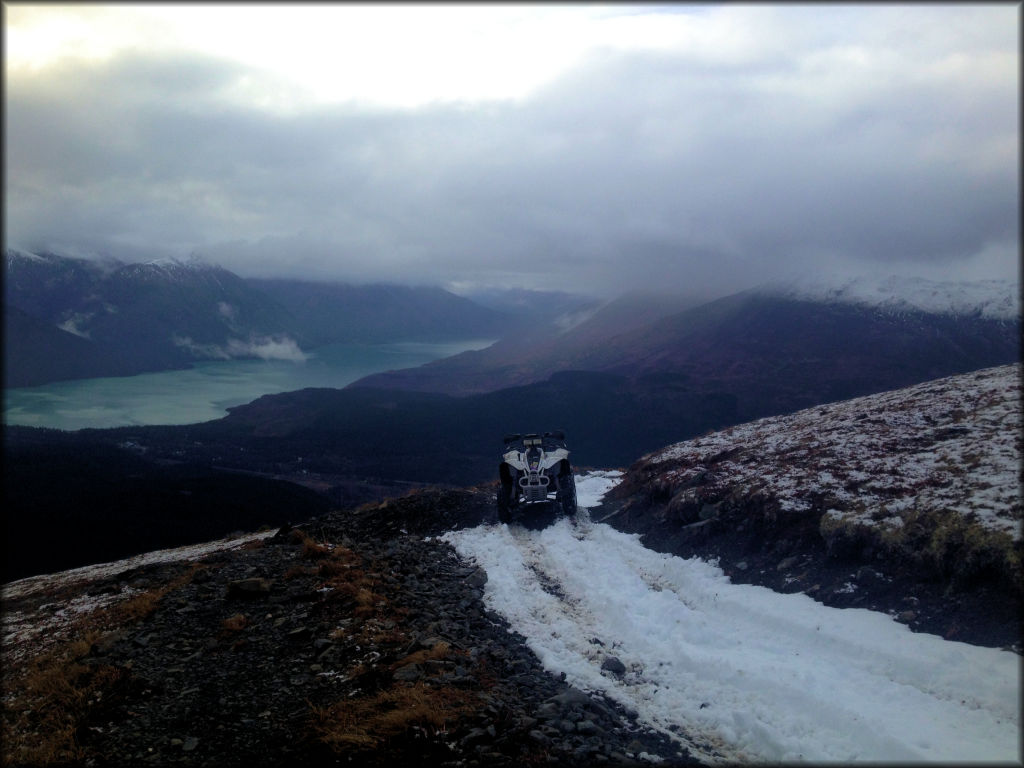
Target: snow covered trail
[(738, 672)]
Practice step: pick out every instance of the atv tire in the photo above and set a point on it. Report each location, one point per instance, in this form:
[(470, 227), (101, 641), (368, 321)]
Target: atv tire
[(567, 494), (505, 503)]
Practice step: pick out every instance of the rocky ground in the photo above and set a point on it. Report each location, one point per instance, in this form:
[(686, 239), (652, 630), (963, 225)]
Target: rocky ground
[(357, 639), (352, 640)]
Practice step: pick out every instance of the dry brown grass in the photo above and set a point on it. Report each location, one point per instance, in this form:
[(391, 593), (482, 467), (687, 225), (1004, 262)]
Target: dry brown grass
[(235, 623), (55, 693), (440, 651), (344, 572), (311, 549), (49, 696), (398, 712), (297, 571)]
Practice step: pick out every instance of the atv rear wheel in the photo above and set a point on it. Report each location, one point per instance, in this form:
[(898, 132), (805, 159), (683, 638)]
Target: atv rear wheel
[(505, 503), (567, 494)]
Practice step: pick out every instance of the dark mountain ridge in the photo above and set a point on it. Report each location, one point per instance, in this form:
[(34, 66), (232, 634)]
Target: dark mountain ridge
[(167, 314), (533, 354), (329, 313), (765, 348), (731, 361)]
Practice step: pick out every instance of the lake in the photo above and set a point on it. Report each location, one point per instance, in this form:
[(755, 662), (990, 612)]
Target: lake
[(205, 392)]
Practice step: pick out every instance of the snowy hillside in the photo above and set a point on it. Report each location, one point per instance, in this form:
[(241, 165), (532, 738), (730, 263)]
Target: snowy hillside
[(990, 299), (737, 672), (952, 444)]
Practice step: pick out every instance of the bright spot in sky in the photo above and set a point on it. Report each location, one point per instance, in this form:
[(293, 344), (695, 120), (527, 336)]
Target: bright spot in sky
[(386, 55)]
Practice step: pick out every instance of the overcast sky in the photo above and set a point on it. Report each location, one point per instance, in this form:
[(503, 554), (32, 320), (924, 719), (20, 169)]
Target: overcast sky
[(588, 148)]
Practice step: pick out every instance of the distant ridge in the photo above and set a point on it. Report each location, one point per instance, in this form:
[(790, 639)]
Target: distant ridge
[(165, 314), (990, 299), (778, 347)]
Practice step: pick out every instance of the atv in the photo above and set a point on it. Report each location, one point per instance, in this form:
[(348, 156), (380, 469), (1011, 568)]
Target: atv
[(535, 469)]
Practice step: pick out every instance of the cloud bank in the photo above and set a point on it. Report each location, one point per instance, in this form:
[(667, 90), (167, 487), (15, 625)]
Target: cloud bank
[(764, 142)]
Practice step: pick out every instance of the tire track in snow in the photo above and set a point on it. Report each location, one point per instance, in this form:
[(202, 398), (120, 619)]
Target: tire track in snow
[(739, 672), (566, 626)]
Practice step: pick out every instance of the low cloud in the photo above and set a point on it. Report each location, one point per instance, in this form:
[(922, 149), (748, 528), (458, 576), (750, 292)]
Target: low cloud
[(861, 140), (263, 347)]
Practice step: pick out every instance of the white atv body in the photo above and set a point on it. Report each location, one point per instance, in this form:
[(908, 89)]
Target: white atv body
[(535, 468)]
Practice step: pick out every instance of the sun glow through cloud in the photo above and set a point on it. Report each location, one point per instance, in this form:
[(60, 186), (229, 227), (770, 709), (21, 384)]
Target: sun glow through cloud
[(383, 55), (607, 147)]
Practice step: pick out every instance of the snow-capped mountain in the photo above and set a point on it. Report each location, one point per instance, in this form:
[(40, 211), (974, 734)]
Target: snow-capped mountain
[(136, 317), (990, 299), (765, 351), (165, 313)]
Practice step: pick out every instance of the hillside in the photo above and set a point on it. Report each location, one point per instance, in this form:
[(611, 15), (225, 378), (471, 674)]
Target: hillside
[(96, 500), (36, 351), (331, 313), (914, 492), (534, 354), (151, 316), (350, 640), (772, 350), (165, 314), (627, 380), (419, 630)]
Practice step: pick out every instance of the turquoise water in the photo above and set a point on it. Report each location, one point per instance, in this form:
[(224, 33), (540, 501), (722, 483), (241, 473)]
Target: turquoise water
[(206, 391)]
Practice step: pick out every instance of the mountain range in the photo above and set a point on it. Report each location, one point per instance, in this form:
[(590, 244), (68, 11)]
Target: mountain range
[(623, 379), (110, 318), (768, 344)]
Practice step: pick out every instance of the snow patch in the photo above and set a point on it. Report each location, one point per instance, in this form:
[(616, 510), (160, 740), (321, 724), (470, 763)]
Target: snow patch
[(71, 325), (591, 487), (738, 672), (948, 444), (991, 299), (568, 321)]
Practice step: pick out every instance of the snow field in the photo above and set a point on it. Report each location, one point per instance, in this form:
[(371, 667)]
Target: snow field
[(737, 672)]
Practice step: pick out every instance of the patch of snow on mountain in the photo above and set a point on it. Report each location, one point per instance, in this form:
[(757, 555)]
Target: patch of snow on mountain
[(566, 322), (953, 443), (71, 325), (13, 255), (47, 582), (739, 673), (992, 299)]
